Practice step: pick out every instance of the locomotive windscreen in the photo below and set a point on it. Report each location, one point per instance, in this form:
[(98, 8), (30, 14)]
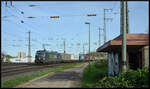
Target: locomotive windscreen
[(40, 53)]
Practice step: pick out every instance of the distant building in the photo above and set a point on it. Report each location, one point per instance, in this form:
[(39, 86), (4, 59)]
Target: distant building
[(74, 57), (65, 56), (2, 57), (21, 55), (23, 60)]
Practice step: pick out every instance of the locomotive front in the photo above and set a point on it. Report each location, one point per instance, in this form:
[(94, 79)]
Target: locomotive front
[(40, 57)]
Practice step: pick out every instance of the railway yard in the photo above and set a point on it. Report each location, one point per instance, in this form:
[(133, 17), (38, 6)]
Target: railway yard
[(68, 78), (75, 44), (10, 71)]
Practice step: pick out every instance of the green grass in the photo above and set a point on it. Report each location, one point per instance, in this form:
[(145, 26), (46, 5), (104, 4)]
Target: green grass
[(97, 77), (97, 71), (17, 81)]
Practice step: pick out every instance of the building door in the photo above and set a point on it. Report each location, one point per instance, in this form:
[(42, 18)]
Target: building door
[(135, 60)]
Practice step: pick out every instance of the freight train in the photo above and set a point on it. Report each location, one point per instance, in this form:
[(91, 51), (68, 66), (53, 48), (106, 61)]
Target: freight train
[(44, 57)]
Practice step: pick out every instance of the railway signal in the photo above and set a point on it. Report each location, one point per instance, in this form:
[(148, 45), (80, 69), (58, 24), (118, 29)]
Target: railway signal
[(54, 16), (31, 17), (105, 22), (32, 5), (91, 14)]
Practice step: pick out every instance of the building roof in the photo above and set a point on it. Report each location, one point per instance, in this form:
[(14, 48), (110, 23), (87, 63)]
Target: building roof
[(134, 42)]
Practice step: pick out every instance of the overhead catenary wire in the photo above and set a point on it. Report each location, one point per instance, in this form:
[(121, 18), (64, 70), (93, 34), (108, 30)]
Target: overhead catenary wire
[(12, 22), (18, 10), (15, 35), (34, 5), (28, 26), (65, 15), (31, 26)]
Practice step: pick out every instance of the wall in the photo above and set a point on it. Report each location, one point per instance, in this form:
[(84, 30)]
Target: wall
[(146, 55), (21, 55), (21, 60), (113, 64), (66, 57), (74, 57)]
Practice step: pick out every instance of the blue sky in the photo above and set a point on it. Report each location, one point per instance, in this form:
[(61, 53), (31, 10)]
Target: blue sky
[(70, 26)]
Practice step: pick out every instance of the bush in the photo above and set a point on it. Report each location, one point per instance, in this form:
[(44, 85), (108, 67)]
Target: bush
[(138, 78), (100, 63), (98, 70), (130, 79), (114, 82)]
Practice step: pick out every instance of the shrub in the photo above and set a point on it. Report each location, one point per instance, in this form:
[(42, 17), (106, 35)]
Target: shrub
[(137, 78), (100, 64), (114, 82), (130, 79), (97, 71)]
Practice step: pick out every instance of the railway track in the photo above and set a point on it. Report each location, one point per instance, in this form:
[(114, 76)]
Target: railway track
[(11, 64), (17, 69)]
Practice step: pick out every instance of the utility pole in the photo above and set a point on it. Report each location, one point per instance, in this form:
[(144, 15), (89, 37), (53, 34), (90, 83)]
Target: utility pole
[(127, 17), (89, 44), (105, 22), (6, 3), (43, 46), (29, 50), (64, 46), (83, 48), (11, 3), (123, 31), (104, 27), (64, 49), (127, 13), (100, 36)]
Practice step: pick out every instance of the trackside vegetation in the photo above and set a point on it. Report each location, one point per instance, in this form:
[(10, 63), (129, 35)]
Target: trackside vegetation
[(91, 76), (130, 79), (97, 77), (17, 81)]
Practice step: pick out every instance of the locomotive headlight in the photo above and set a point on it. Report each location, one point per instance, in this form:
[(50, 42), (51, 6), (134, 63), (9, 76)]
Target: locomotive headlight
[(44, 58)]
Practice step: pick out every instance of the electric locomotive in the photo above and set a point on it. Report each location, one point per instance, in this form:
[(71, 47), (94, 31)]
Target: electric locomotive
[(43, 56)]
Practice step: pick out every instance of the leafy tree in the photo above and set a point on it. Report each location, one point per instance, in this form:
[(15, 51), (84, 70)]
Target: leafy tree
[(7, 56), (97, 54), (2, 57)]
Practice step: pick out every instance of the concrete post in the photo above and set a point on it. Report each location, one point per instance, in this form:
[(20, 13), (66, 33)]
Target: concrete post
[(123, 29)]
